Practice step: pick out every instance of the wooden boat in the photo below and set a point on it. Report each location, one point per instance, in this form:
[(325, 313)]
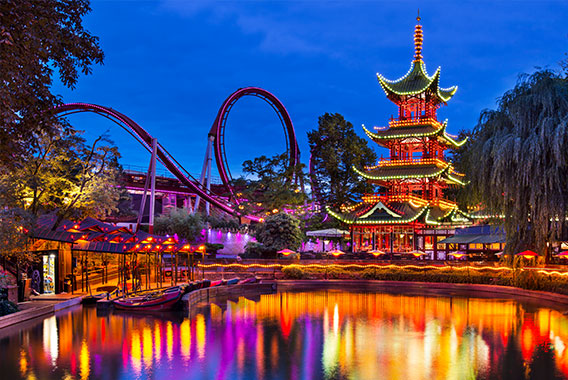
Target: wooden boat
[(92, 299), (216, 283), (232, 281), (250, 280), (154, 301)]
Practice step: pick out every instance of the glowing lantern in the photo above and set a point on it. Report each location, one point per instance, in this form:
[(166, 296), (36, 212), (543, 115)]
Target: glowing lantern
[(528, 254), (286, 252), (457, 255), (336, 253), (376, 253), (417, 253)]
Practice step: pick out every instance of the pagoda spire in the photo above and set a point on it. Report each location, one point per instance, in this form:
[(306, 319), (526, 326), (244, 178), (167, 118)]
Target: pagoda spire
[(418, 39)]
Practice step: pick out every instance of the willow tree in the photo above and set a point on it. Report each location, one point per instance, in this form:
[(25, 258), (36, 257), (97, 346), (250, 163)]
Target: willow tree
[(517, 161)]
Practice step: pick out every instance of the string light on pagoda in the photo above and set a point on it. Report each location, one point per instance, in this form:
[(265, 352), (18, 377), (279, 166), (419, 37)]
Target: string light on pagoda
[(418, 39)]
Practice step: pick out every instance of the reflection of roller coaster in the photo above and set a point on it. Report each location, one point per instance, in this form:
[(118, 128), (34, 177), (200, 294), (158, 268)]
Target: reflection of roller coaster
[(216, 141)]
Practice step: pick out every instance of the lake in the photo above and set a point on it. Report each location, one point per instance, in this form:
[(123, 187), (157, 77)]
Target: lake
[(311, 335)]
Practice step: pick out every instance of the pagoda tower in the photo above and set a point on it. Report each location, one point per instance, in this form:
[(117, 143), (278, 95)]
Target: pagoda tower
[(409, 212)]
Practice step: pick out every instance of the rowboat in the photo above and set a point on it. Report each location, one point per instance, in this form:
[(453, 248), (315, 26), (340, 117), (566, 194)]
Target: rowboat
[(250, 280), (232, 281), (155, 301)]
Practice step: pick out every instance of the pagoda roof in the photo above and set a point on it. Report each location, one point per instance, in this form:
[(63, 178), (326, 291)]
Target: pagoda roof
[(415, 130), (393, 170), (380, 213), (416, 81), (383, 212), (394, 210)]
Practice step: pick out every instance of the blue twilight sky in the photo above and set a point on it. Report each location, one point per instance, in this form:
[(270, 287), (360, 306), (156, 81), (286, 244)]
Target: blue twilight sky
[(170, 64)]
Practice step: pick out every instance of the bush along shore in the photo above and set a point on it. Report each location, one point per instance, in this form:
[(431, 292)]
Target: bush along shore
[(530, 279)]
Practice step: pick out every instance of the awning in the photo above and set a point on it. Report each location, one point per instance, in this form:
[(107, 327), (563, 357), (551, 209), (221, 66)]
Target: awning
[(330, 232), (474, 239)]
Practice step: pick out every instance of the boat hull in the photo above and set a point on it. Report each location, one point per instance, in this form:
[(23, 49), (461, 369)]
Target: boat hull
[(166, 301)]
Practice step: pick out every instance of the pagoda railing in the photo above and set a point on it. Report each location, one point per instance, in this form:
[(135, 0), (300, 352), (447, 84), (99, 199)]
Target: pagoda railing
[(393, 123), (414, 200), (386, 162)]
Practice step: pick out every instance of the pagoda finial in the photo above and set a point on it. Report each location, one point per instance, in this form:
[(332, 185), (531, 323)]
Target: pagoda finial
[(418, 39)]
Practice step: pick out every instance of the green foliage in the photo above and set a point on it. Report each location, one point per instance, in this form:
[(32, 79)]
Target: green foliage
[(517, 162), (270, 185), (254, 250), (293, 273), (62, 173), (213, 247), (222, 221), (179, 221), (7, 307), (14, 221), (335, 150), (36, 39), (280, 231), (316, 222)]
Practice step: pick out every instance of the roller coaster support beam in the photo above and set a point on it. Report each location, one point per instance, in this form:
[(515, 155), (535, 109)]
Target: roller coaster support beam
[(209, 159), (153, 183), (205, 178)]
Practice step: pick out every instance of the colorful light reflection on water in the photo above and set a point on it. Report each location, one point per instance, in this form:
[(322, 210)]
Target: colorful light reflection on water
[(299, 335)]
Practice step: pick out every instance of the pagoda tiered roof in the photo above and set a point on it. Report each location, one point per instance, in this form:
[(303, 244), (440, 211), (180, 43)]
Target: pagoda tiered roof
[(387, 170), (416, 81), (414, 129), (401, 209)]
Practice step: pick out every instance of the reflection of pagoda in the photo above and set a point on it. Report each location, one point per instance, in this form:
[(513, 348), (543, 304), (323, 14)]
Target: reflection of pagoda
[(411, 213)]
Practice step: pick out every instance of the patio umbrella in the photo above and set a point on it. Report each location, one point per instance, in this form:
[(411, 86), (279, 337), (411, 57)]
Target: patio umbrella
[(527, 254), (457, 254), (376, 252), (563, 254), (417, 253), (336, 252), (286, 252)]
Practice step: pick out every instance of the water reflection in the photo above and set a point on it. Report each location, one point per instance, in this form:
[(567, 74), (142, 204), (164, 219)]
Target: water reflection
[(315, 335)]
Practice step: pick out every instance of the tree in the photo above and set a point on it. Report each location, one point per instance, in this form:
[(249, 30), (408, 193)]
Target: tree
[(335, 149), (280, 231), (36, 39), (179, 221), (64, 174), (273, 184), (517, 162)]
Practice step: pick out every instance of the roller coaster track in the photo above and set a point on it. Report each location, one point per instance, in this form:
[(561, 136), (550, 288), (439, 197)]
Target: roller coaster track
[(145, 139), (217, 132)]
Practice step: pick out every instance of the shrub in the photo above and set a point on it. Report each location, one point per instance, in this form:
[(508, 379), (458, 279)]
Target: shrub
[(293, 272), (7, 307)]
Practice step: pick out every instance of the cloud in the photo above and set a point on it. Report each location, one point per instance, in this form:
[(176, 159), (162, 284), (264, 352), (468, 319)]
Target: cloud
[(281, 30)]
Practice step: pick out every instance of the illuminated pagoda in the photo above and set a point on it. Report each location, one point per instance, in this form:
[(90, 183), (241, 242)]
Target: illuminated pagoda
[(410, 212)]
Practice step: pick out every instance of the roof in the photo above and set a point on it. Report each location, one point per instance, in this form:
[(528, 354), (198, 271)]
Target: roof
[(380, 213), (416, 81), (410, 171), (330, 232), (415, 129), (383, 211), (474, 239)]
